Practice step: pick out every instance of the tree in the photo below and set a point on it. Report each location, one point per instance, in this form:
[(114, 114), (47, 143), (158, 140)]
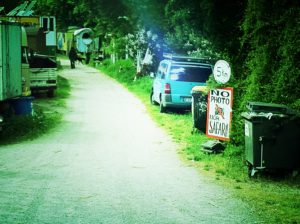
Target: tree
[(271, 32), (10, 5)]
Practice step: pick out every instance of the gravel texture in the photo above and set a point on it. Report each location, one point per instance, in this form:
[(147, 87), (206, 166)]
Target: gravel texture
[(107, 162)]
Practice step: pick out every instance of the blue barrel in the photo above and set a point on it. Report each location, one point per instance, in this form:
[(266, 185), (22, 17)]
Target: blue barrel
[(23, 105)]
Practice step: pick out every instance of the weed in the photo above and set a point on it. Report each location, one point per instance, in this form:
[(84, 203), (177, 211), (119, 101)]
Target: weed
[(221, 171), (238, 187), (21, 128), (207, 167), (197, 157), (64, 88)]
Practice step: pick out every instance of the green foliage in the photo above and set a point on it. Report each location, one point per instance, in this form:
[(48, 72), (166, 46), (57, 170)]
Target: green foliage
[(20, 128), (272, 35), (140, 86), (122, 70), (64, 88), (101, 15), (219, 23), (183, 33), (63, 10), (270, 48), (147, 13), (116, 46)]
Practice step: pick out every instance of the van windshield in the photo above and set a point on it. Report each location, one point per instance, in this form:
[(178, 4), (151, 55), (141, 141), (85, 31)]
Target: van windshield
[(190, 73)]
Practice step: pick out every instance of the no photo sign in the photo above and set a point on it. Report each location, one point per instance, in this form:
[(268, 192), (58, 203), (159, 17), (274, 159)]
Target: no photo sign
[(219, 113)]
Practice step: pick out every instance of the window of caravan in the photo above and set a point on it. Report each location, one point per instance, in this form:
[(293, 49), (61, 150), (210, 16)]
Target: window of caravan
[(45, 23), (48, 23), (51, 25)]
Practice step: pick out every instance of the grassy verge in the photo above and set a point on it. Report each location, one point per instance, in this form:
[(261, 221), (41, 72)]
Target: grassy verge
[(275, 199), (46, 115), (63, 89)]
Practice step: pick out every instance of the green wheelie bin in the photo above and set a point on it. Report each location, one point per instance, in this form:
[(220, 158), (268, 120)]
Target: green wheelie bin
[(199, 107), (272, 137)]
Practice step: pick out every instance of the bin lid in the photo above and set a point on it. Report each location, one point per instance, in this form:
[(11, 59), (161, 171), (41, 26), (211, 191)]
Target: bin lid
[(268, 108), (200, 89), (262, 115)]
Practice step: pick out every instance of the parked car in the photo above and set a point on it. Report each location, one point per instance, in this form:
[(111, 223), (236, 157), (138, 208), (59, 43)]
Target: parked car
[(174, 80)]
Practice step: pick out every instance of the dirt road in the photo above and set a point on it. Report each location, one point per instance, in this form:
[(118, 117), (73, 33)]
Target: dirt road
[(107, 163)]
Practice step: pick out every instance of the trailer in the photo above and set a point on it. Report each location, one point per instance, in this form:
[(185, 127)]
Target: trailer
[(83, 40), (41, 48), (10, 60), (10, 65)]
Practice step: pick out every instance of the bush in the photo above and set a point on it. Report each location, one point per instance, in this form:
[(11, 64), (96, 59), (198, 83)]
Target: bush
[(123, 70), (19, 128)]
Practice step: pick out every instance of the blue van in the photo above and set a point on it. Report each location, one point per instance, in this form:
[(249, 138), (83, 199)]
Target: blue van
[(174, 80)]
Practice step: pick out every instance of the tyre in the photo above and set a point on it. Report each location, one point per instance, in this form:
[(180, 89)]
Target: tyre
[(50, 93)]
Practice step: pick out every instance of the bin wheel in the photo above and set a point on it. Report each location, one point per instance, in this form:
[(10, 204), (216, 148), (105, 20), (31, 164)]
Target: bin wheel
[(252, 172)]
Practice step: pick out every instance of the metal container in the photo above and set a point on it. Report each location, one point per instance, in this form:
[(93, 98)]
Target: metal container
[(22, 105), (271, 137)]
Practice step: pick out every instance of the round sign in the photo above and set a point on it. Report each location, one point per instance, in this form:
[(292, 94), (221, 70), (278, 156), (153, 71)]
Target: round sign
[(222, 71)]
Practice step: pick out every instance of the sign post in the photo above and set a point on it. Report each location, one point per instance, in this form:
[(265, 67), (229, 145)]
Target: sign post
[(219, 104), (219, 113)]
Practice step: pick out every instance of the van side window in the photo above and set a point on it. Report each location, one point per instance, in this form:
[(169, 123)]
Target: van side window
[(162, 69)]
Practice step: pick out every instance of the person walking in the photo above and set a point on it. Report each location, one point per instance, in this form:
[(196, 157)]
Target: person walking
[(72, 57)]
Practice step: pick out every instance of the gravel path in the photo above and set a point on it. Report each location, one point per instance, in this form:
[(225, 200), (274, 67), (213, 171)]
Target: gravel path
[(107, 163)]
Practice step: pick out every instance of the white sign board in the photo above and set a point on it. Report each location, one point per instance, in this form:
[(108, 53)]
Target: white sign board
[(222, 71), (219, 113)]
